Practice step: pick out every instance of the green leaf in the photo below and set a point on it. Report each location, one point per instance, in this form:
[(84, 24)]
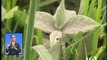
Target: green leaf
[(47, 2), (20, 17), (86, 7), (79, 23), (102, 48), (11, 12), (29, 30), (95, 41), (99, 11), (39, 37), (32, 54), (43, 52), (59, 15), (4, 12), (91, 8)]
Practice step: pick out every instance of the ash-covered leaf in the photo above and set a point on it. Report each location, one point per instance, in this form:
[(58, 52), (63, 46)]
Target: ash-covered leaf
[(65, 21), (60, 15), (44, 21), (43, 52), (55, 51), (79, 23), (54, 36), (68, 15)]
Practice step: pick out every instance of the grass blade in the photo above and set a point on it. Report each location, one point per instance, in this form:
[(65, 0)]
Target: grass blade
[(100, 51), (86, 7), (39, 37), (29, 30), (81, 8), (8, 3), (32, 54), (95, 41), (104, 17), (13, 3), (95, 37), (99, 11), (91, 9), (104, 43), (47, 2)]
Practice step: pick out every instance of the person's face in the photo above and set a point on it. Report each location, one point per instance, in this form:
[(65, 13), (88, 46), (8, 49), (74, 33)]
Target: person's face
[(13, 38)]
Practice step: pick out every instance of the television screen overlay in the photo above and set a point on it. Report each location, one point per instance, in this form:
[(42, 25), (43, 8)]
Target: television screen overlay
[(13, 44)]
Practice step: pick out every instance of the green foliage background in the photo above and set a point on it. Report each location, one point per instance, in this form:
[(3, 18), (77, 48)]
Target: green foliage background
[(95, 9)]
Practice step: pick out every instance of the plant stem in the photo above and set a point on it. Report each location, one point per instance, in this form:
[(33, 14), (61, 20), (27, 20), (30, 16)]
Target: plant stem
[(81, 8), (99, 10), (91, 8), (100, 51), (39, 32), (29, 30), (86, 7), (39, 37)]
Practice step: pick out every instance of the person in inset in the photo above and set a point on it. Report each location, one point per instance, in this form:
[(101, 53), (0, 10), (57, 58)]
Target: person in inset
[(13, 48)]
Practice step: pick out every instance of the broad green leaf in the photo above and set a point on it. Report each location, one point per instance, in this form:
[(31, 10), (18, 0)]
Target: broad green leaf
[(20, 17), (44, 21), (43, 52), (11, 12), (60, 15), (4, 12), (79, 23)]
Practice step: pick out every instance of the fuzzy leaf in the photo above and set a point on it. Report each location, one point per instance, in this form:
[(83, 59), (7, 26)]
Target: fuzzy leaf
[(55, 51), (55, 37), (11, 12), (79, 23), (43, 52), (59, 15), (4, 12), (44, 21), (68, 15)]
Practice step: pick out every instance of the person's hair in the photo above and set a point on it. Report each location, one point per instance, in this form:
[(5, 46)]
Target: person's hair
[(12, 35)]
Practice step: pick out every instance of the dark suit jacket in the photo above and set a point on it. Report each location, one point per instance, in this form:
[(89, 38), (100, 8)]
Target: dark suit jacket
[(13, 51)]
